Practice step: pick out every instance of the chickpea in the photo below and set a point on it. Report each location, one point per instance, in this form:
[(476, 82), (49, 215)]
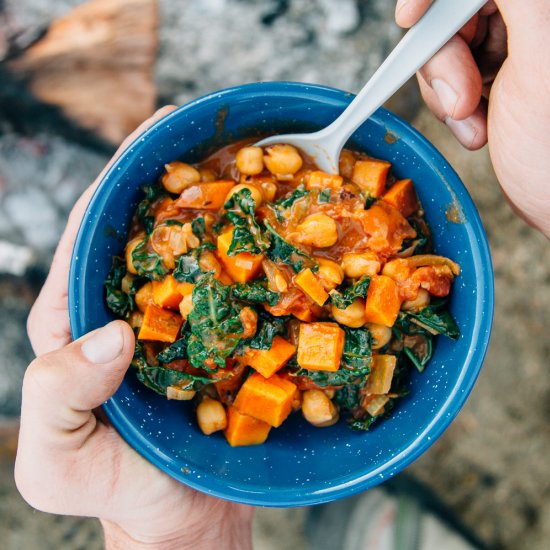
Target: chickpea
[(318, 230), (211, 416), (254, 191), (269, 190), (282, 160), (353, 316), (358, 264), (144, 296), (126, 283), (330, 273), (250, 160), (318, 409), (347, 161), (422, 300), (130, 247), (249, 320), (381, 335), (186, 306), (179, 176), (207, 174), (179, 394)]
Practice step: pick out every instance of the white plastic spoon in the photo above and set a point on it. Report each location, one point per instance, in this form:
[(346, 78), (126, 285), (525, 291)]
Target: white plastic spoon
[(441, 22)]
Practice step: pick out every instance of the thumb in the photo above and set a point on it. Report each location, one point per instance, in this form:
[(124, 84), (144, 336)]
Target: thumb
[(61, 388)]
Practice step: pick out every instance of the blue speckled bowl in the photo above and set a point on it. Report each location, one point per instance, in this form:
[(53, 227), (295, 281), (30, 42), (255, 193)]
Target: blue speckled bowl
[(299, 465)]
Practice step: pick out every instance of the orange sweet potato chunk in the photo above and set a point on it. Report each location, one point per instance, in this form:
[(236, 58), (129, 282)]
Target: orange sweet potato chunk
[(379, 381), (306, 281), (268, 362), (267, 399), (385, 228), (166, 293), (244, 430), (383, 304), (322, 180), (160, 324), (243, 266), (185, 288), (320, 346), (370, 176), (402, 196), (205, 196)]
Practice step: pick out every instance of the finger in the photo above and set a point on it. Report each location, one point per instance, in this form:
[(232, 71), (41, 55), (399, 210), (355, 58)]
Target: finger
[(45, 325), (61, 388), (470, 132), (454, 76), (408, 12)]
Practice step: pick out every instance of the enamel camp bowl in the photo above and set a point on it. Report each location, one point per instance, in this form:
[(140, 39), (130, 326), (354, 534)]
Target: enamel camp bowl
[(299, 464)]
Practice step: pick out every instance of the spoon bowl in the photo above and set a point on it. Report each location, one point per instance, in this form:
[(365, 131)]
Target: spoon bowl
[(442, 21)]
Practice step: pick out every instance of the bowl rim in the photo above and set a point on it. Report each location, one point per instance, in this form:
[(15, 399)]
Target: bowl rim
[(469, 372)]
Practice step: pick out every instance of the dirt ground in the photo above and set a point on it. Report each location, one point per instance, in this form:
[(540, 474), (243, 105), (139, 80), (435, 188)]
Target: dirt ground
[(490, 468)]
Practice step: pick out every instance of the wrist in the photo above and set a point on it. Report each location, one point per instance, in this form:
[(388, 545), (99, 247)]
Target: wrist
[(231, 533)]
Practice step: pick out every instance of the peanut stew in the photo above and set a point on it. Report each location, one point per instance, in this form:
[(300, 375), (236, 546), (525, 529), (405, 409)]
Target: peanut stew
[(258, 285)]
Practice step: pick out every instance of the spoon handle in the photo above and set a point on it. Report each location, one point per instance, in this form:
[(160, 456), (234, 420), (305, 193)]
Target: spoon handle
[(442, 20)]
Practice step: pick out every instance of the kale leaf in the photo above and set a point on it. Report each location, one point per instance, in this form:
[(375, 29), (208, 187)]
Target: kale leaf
[(344, 297), (118, 301), (268, 327), (255, 292), (152, 193), (438, 319), (247, 234), (148, 263), (175, 351), (285, 203), (199, 228), (216, 328), (363, 424), (187, 268), (357, 354), (348, 397), (324, 195), (281, 251)]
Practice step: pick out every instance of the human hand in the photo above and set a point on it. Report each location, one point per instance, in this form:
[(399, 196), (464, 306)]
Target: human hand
[(71, 461), (491, 83)]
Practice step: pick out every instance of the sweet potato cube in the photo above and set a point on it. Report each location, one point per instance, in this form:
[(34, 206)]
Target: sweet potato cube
[(322, 180), (320, 346), (268, 362), (205, 196), (166, 293), (244, 430), (379, 381), (370, 176), (243, 266), (267, 399), (383, 302), (306, 281), (185, 288), (160, 324), (144, 296), (402, 196)]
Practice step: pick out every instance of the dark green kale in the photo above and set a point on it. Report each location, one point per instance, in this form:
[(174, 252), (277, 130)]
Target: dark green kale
[(285, 203), (255, 292), (417, 341), (175, 351), (363, 424), (215, 325), (281, 251), (346, 295), (187, 268), (268, 327), (199, 228), (118, 301), (438, 319), (324, 195), (148, 264), (152, 193), (348, 397), (422, 240), (247, 234)]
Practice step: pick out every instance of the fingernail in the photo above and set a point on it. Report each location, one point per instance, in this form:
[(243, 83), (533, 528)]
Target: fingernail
[(104, 345), (464, 130), (447, 96)]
